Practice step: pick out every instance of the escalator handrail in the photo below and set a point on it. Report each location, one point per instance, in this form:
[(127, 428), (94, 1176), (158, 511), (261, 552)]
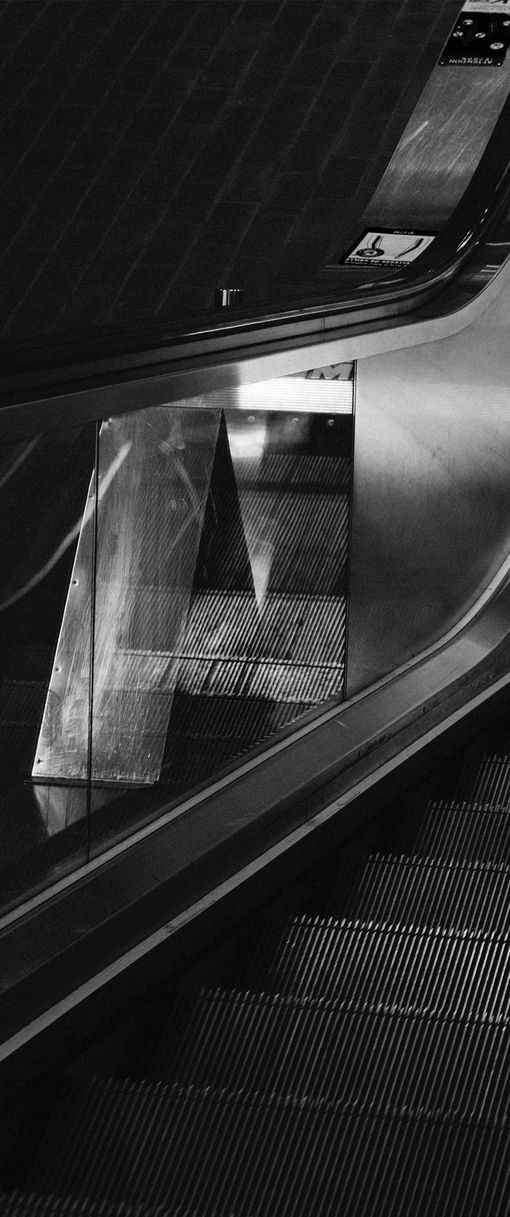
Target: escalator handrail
[(112, 353)]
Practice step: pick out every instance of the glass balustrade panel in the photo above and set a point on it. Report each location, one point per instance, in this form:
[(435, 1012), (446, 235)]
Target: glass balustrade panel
[(220, 601)]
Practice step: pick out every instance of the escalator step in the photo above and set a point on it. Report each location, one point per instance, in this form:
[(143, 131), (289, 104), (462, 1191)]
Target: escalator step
[(204, 715), (216, 732), (383, 1060), (289, 682), (305, 534), (228, 624), (211, 1153), (457, 831), (487, 782), (102, 1137), (236, 718), (420, 892), (187, 762), (22, 1204), (300, 470), (452, 973), (133, 673), (307, 629)]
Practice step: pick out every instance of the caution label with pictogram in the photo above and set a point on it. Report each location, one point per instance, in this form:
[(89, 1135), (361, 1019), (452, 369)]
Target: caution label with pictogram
[(387, 247)]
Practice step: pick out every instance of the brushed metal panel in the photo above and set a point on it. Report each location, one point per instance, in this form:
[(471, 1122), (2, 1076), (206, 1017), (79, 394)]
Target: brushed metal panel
[(440, 147), (431, 506), (148, 532)]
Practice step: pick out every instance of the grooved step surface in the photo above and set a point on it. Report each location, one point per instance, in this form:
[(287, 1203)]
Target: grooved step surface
[(243, 718), (384, 1060), (419, 891), (224, 624), (464, 831), (280, 682), (300, 472), (22, 1204), (249, 1155), (365, 1071), (487, 782), (305, 534), (439, 973)]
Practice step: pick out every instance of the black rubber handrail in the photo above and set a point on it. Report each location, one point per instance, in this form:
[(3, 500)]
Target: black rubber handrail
[(112, 351)]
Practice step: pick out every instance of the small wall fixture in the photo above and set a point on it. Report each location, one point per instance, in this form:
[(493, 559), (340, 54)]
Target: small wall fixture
[(228, 297)]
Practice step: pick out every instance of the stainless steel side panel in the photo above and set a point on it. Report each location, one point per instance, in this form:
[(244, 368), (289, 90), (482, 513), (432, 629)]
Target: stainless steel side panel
[(431, 511)]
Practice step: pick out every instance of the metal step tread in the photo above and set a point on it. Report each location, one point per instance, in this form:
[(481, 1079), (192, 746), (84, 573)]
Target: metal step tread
[(154, 674), (268, 1044), (487, 781), (299, 471), (247, 1155), (459, 831), (424, 891), (449, 972), (34, 1204), (232, 624)]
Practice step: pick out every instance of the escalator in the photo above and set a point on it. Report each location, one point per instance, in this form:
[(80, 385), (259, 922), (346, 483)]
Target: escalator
[(348, 1050), (356, 1061)]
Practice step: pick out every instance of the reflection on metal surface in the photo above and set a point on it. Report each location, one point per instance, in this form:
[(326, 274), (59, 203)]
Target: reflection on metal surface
[(148, 533), (266, 631), (219, 596), (71, 536), (440, 148), (211, 371), (434, 160), (296, 393), (156, 367), (293, 537), (20, 455), (431, 508)]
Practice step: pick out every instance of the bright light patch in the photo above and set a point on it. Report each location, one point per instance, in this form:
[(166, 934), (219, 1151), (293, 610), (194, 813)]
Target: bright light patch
[(248, 444), (292, 393)]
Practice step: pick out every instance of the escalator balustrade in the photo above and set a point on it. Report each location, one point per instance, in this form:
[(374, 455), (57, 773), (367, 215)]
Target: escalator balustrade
[(360, 1064), (217, 581)]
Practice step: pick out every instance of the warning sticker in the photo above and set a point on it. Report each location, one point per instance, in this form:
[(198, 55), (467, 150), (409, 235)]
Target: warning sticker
[(388, 247), (480, 36)]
